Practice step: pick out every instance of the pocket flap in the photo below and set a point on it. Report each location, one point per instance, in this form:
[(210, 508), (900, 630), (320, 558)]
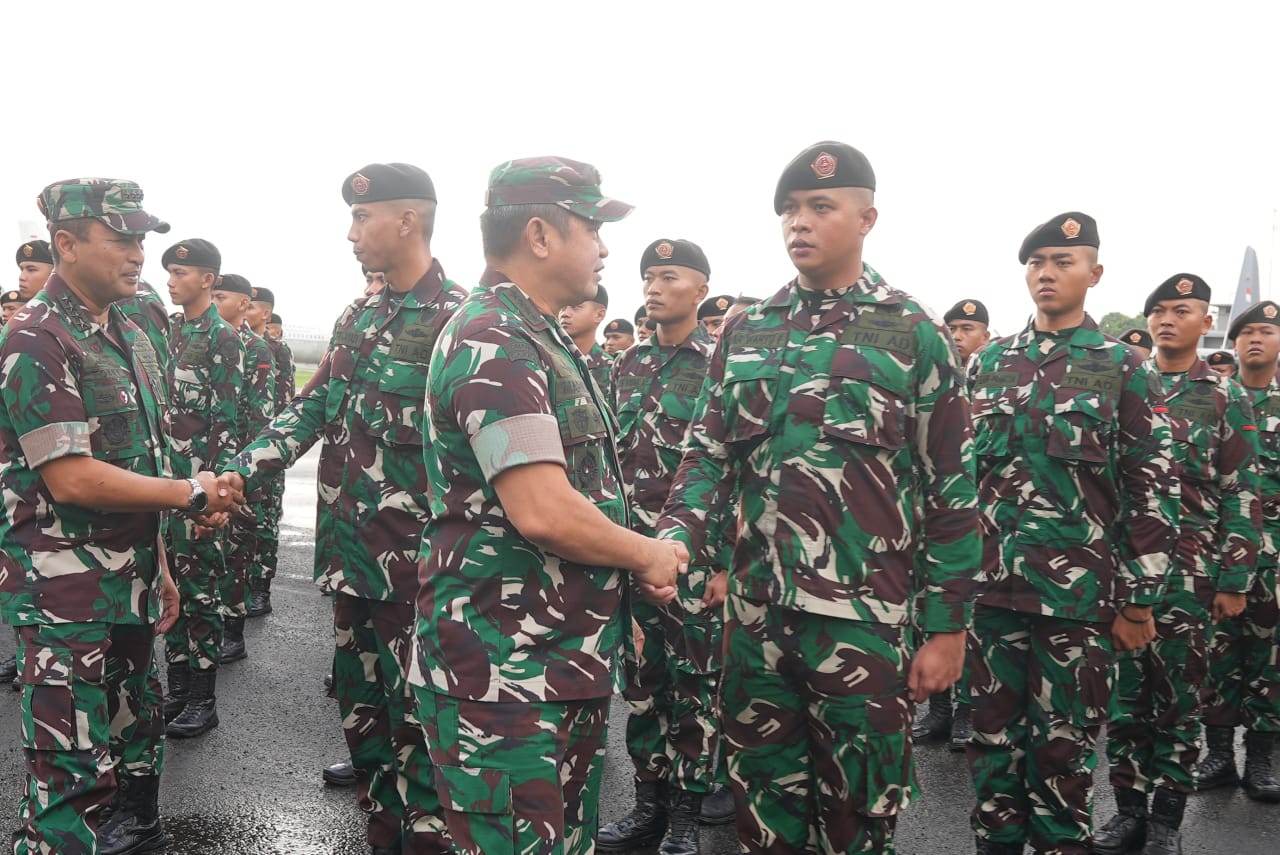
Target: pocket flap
[(474, 790)]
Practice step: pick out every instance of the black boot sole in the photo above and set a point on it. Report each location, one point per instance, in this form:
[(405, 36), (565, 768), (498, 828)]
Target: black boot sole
[(1264, 797), (1204, 786), (638, 843), (227, 658), (156, 843), (194, 732)]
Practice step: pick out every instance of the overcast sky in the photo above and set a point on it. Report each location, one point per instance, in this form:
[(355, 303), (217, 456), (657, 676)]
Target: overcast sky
[(241, 120)]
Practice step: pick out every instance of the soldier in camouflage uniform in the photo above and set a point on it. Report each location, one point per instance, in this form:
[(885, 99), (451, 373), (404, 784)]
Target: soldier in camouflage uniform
[(205, 378), (1139, 341), (35, 264), (1243, 686), (233, 295), (711, 314), (263, 569), (10, 303), (1079, 502), (81, 569), (833, 409), (619, 335), (673, 728), (149, 313), (1153, 739), (523, 599), (581, 323), (1222, 362), (365, 402)]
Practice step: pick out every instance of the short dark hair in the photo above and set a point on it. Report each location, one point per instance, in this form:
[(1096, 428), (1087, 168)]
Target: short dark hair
[(79, 228), (501, 227)]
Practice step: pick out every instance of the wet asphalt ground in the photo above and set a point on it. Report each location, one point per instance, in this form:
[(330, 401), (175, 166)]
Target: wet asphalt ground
[(253, 784)]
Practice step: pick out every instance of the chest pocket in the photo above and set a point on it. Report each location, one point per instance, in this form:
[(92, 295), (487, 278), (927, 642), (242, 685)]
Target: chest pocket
[(1268, 419), (402, 394), (866, 403), (747, 395), (115, 422), (994, 409), (190, 388), (1080, 429), (1192, 421)]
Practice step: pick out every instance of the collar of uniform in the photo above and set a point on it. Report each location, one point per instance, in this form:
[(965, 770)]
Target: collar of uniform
[(1087, 335), (515, 297), (1200, 370), (58, 294), (699, 340), (870, 288), (427, 290), (205, 319)]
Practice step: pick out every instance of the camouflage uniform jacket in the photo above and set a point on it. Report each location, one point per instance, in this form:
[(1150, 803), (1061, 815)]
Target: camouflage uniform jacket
[(149, 314), (365, 401), (500, 619), (285, 388), (1215, 448), (69, 386), (834, 417), (600, 364), (257, 398), (206, 380), (1076, 478), (656, 388), (1266, 410)]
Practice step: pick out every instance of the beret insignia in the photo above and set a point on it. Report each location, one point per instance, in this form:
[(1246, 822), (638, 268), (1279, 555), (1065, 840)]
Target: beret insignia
[(253, 293), (359, 184), (664, 250), (824, 165), (1135, 338), (1184, 286), (613, 327), (969, 308), (27, 250), (1070, 229), (218, 284), (722, 304), (1269, 311), (182, 252)]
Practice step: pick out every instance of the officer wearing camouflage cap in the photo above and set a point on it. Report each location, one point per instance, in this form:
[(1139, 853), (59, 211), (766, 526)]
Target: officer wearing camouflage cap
[(835, 383), (86, 484), (525, 557), (35, 263)]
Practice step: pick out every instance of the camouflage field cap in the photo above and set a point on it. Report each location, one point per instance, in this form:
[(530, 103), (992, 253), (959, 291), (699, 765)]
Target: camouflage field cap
[(117, 204), (572, 185)]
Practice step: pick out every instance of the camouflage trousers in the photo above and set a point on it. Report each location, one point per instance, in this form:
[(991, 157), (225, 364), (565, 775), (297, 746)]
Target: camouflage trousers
[(817, 726), (674, 726), (91, 704), (1153, 740), (1041, 689), (373, 650), (517, 777), (243, 534), (198, 566), (1243, 687), (268, 546)]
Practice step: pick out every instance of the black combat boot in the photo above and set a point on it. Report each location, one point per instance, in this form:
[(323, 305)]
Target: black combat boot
[(9, 668), (179, 678), (1127, 829), (682, 824), (936, 723), (961, 727), (201, 713), (983, 846), (1259, 781), (1163, 836), (644, 826), (134, 826), (717, 807), (259, 597), (1218, 767), (233, 640), (340, 774)]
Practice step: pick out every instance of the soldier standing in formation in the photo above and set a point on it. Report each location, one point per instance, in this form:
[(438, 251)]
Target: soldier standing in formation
[(1079, 500), (643, 327), (580, 323), (1222, 362), (205, 379), (673, 728), (35, 264), (10, 303), (523, 605), (1153, 742), (619, 335), (1139, 341), (86, 486), (836, 382), (366, 403), (1243, 686), (711, 314)]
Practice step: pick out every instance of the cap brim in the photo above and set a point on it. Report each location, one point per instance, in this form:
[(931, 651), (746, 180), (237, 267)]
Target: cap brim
[(602, 211), (137, 223)]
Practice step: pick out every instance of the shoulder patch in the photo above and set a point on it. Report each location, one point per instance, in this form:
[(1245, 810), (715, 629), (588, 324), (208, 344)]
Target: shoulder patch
[(520, 351)]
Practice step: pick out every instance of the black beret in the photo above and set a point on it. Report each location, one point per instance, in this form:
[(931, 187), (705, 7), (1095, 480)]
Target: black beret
[(715, 307), (196, 252), (275, 319), (619, 325), (1070, 229), (824, 164), (601, 297), (967, 310), (1179, 286), (1222, 357), (35, 250), (679, 253), (380, 182), (11, 297), (263, 295), (641, 313), (1137, 338), (1265, 312), (234, 283)]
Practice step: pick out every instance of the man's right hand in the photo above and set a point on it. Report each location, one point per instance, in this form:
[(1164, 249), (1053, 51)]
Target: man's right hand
[(223, 495), (657, 578)]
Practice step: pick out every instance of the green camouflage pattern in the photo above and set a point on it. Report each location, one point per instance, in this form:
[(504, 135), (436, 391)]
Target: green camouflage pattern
[(117, 203), (1041, 690), (817, 728), (499, 619), (1076, 478), (570, 184), (365, 402), (519, 777), (264, 569), (600, 364), (65, 388), (812, 401), (149, 313)]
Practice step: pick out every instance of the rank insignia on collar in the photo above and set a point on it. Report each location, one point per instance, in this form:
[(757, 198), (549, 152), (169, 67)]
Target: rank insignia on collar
[(1071, 229), (181, 252), (969, 308), (1184, 286), (359, 184), (664, 250), (824, 165)]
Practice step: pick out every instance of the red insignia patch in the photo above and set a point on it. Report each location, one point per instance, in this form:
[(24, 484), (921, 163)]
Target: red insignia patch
[(1070, 229), (1159, 409), (181, 252), (359, 184), (1248, 427), (664, 250), (824, 165)]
